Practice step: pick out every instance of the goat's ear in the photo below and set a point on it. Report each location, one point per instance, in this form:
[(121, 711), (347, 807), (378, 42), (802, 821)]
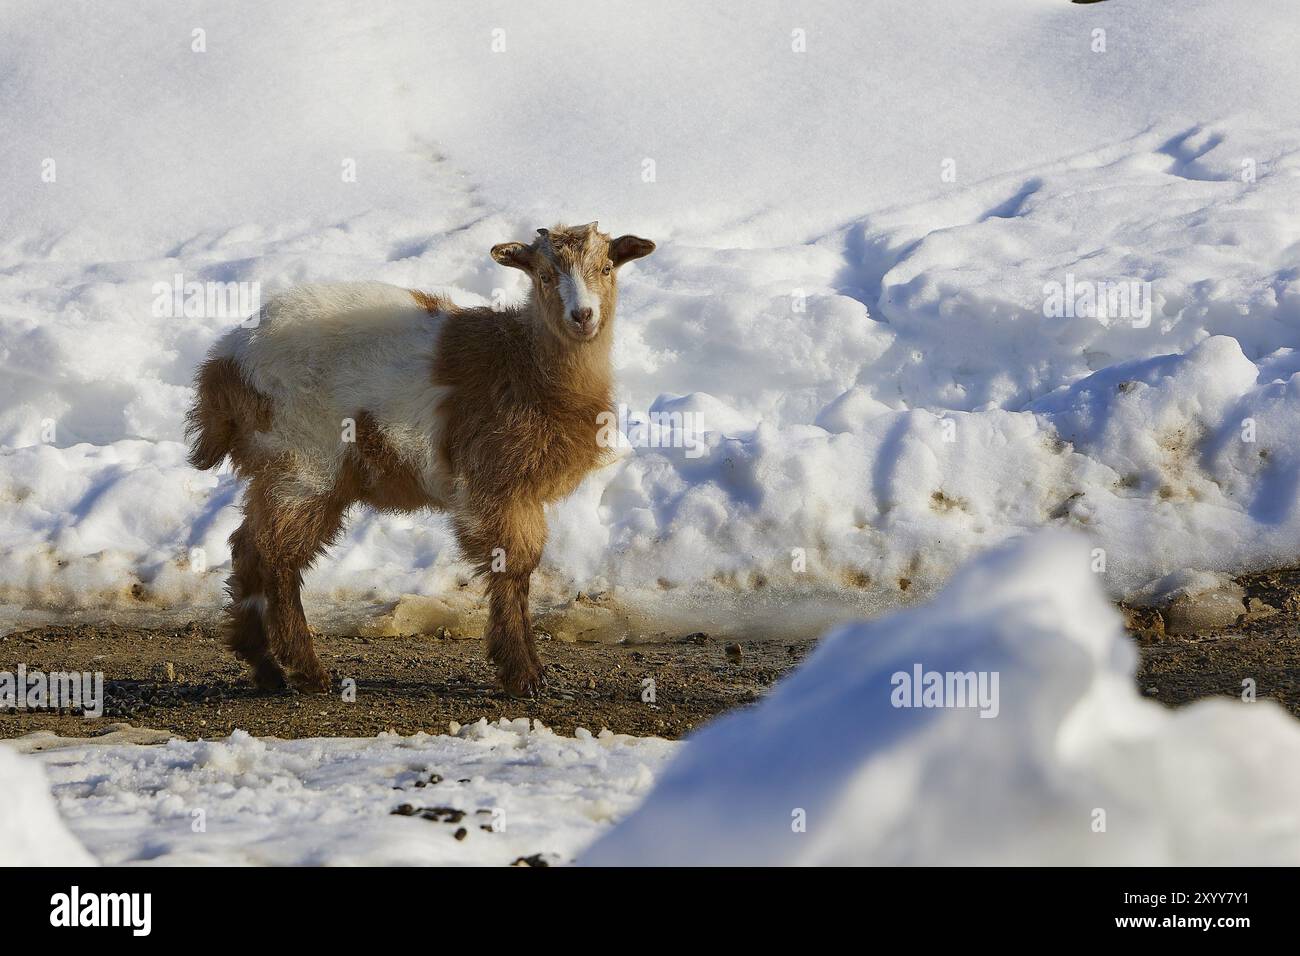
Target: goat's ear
[(516, 255), (626, 248)]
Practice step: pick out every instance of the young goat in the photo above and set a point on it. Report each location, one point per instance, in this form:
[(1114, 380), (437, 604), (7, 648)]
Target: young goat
[(365, 392)]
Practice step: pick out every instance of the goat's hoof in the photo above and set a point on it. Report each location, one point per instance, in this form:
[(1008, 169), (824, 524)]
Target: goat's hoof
[(527, 682), (267, 675), (312, 682)]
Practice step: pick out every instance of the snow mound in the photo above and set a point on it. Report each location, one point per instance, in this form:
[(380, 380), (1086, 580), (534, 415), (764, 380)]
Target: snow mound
[(31, 832), (889, 359), (1068, 765), (327, 802)]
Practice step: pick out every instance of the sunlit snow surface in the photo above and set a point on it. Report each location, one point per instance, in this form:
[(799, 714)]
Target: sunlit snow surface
[(330, 802), (822, 296)]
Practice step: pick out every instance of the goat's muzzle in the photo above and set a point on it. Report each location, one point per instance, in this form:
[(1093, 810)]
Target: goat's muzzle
[(582, 321)]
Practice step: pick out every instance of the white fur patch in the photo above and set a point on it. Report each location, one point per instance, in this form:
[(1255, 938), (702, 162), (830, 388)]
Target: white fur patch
[(576, 295), (325, 353)]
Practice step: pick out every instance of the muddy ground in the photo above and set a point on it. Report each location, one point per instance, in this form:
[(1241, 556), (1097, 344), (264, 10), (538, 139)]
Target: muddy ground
[(183, 680)]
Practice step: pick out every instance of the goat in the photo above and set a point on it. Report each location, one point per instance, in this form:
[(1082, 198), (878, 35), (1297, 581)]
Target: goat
[(401, 400)]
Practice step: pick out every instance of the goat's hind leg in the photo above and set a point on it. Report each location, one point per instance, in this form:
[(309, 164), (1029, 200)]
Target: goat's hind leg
[(290, 533), (246, 626), (287, 626)]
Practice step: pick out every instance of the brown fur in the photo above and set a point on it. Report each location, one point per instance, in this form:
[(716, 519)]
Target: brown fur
[(378, 476), (522, 413), (228, 412)]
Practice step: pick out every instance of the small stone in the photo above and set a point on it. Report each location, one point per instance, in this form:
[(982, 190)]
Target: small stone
[(1192, 614), (1146, 624), (164, 671), (443, 814), (734, 653), (1193, 602), (1257, 609), (462, 833)]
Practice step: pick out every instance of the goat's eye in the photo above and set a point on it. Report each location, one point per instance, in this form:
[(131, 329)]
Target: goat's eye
[(544, 278), (609, 267)]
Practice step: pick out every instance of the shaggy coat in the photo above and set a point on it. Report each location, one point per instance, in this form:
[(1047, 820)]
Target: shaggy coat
[(365, 392)]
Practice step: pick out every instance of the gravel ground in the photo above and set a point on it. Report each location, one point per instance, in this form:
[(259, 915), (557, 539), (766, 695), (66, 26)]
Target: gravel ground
[(183, 681)]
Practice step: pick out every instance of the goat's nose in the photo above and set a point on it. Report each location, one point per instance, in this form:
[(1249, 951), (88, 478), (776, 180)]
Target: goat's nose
[(581, 316)]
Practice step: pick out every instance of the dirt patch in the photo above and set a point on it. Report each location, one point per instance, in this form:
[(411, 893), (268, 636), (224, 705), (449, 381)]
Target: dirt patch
[(183, 681), (1263, 647)]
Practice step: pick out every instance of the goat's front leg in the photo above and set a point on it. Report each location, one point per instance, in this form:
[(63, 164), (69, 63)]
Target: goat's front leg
[(504, 539)]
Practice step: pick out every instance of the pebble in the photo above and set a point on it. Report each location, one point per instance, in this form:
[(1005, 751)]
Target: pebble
[(164, 671)]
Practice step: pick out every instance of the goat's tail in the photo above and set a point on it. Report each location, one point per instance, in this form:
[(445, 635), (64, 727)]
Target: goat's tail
[(225, 410)]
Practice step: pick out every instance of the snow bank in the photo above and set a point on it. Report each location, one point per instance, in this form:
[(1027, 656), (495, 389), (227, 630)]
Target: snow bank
[(31, 833), (326, 802), (1166, 463), (1066, 764), (888, 350)]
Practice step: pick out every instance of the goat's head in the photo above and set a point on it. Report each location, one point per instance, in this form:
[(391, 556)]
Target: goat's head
[(573, 269)]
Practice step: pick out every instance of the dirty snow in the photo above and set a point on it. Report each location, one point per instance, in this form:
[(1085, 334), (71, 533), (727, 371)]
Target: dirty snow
[(329, 802), (1070, 766)]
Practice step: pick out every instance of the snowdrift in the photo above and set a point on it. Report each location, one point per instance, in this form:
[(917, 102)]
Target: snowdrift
[(31, 832), (1063, 764)]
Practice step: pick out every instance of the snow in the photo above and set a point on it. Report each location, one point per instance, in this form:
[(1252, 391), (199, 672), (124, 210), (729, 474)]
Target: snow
[(874, 389), (329, 802), (1071, 766), (31, 832)]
